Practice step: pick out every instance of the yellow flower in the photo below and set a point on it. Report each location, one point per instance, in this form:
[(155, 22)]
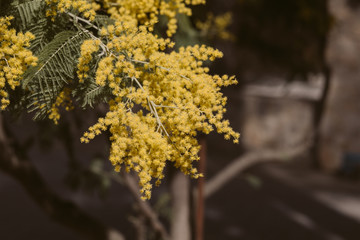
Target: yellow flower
[(84, 7), (14, 58), (160, 101), (147, 12), (216, 26), (64, 100)]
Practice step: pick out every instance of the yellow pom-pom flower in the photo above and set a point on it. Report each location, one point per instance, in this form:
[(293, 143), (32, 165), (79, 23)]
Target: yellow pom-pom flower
[(14, 58)]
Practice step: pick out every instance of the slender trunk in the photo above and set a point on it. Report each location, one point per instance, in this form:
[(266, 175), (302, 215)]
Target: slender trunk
[(180, 195), (200, 203), (145, 207), (319, 108)]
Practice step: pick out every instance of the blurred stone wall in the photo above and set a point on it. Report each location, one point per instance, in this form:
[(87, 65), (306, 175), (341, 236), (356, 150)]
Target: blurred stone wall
[(340, 126), (276, 123)]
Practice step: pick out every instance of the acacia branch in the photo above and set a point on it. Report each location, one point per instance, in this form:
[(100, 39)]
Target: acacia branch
[(139, 224), (145, 207), (249, 159), (60, 210)]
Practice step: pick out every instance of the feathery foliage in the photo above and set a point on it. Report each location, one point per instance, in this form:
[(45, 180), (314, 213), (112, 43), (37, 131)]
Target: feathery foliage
[(29, 12), (56, 67)]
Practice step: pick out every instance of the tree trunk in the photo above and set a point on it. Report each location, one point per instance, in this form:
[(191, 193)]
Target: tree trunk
[(339, 130), (180, 195)]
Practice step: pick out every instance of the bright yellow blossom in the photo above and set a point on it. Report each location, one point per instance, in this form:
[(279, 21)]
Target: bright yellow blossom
[(161, 101), (147, 12), (14, 58), (62, 100), (86, 8)]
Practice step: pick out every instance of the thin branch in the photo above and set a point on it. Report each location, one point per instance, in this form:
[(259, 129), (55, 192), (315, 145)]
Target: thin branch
[(139, 224), (77, 18), (145, 207), (114, 4), (249, 159), (152, 107), (200, 199), (60, 210), (7, 63)]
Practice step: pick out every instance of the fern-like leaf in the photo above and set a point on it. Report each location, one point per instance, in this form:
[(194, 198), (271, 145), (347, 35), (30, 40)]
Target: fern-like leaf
[(39, 30), (56, 61), (93, 94), (41, 103), (89, 94), (29, 12), (56, 66)]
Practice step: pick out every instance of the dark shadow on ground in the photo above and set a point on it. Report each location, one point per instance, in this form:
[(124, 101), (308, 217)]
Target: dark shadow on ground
[(276, 210)]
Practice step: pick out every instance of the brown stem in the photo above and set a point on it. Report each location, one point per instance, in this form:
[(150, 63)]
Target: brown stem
[(140, 225), (321, 104), (200, 195), (250, 159), (319, 114), (145, 206), (60, 210)]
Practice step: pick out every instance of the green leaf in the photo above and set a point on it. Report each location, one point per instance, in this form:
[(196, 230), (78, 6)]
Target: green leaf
[(56, 66), (29, 12)]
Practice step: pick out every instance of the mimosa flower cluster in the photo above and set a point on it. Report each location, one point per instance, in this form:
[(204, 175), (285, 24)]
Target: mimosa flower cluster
[(14, 58), (142, 12), (216, 26), (147, 12), (62, 100), (84, 7), (161, 100)]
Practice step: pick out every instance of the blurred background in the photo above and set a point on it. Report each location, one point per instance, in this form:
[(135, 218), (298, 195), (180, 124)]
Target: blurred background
[(294, 175)]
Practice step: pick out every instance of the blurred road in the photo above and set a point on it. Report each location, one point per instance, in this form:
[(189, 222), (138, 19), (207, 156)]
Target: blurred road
[(288, 204)]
